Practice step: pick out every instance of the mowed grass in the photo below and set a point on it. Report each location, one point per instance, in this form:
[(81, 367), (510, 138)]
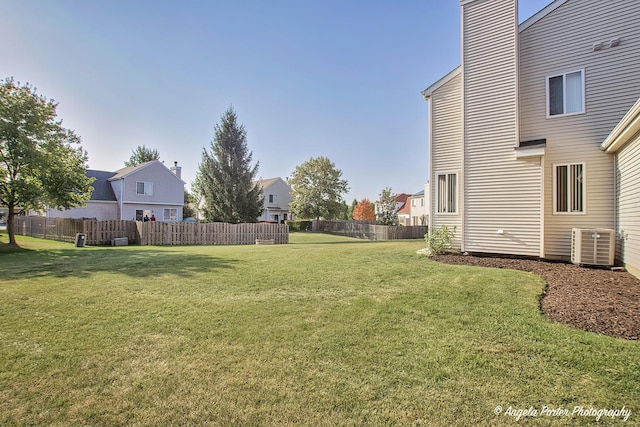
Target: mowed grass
[(323, 331)]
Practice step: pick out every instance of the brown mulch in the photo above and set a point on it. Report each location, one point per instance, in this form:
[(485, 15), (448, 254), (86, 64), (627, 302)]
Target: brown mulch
[(593, 299)]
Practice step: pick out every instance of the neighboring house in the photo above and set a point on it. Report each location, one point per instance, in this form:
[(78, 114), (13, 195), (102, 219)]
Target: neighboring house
[(403, 211), (131, 193), (624, 143), (418, 209), (277, 197), (516, 130)]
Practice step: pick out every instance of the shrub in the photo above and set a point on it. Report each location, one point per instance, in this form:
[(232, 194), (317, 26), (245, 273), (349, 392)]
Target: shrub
[(299, 225), (440, 240)]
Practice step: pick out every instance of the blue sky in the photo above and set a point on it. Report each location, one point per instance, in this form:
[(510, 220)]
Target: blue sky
[(339, 79)]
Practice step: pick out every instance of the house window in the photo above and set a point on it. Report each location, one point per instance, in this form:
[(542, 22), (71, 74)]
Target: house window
[(413, 203), (569, 188), (171, 214), (272, 198), (565, 94), (144, 188), (447, 199), (139, 214)]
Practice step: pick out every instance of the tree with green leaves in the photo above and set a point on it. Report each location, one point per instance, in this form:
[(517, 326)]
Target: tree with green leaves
[(317, 189), (41, 163), (387, 213), (226, 179), (188, 210), (142, 154), (352, 206)]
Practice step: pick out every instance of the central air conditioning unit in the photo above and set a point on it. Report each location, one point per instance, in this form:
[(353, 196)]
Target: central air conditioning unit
[(593, 246)]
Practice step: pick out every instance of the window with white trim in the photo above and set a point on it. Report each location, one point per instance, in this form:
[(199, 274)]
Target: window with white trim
[(144, 188), (272, 198), (170, 214), (569, 188), (565, 94), (447, 193)]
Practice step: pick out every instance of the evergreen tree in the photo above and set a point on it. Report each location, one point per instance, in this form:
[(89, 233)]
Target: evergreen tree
[(351, 209), (226, 179)]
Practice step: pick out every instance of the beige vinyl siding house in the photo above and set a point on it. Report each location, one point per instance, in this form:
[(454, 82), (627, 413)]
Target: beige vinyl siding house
[(607, 90), (537, 101), (624, 143), (277, 197), (446, 152), (498, 218)]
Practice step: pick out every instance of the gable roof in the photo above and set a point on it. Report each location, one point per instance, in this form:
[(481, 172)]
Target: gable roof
[(450, 75), (122, 173), (102, 189), (540, 14), (126, 171), (521, 27), (269, 181), (626, 128)]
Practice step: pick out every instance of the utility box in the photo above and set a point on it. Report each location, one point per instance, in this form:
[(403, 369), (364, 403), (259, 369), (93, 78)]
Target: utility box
[(81, 239), (120, 241)]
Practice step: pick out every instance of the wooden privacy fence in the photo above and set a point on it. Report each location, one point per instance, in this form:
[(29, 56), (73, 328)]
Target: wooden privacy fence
[(65, 229), (217, 233), (152, 232), (370, 230)]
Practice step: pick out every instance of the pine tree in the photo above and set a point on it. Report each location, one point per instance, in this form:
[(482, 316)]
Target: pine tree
[(226, 178)]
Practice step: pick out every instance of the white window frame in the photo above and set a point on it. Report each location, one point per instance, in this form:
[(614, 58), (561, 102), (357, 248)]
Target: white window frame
[(569, 194), (170, 211), (456, 194), (564, 94), (273, 198), (147, 186)]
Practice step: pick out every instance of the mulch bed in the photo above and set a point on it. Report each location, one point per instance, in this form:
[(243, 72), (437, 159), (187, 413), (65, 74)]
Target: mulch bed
[(593, 299)]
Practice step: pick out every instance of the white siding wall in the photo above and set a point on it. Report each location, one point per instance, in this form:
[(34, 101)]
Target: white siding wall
[(100, 210), (561, 42), (501, 193), (167, 188), (446, 148), (628, 184)]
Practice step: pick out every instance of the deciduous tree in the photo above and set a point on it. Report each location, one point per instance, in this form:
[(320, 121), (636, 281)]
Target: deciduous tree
[(41, 163), (142, 154), (226, 179), (364, 211), (387, 213), (317, 189)]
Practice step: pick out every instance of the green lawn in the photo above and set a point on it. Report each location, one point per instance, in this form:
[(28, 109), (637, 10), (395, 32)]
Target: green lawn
[(323, 331)]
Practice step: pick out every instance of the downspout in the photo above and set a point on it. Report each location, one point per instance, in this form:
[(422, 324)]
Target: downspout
[(121, 200)]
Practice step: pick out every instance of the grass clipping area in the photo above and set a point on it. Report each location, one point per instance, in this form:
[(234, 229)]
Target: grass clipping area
[(322, 331)]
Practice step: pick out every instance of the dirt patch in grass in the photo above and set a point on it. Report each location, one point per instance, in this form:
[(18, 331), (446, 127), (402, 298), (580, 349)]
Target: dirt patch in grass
[(597, 300)]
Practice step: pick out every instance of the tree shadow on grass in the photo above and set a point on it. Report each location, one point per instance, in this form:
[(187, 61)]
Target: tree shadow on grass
[(135, 262)]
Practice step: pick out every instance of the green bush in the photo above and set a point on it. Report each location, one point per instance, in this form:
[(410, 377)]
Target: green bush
[(299, 225), (440, 240)]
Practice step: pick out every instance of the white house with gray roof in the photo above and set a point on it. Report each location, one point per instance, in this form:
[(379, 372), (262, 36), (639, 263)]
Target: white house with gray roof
[(148, 189)]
